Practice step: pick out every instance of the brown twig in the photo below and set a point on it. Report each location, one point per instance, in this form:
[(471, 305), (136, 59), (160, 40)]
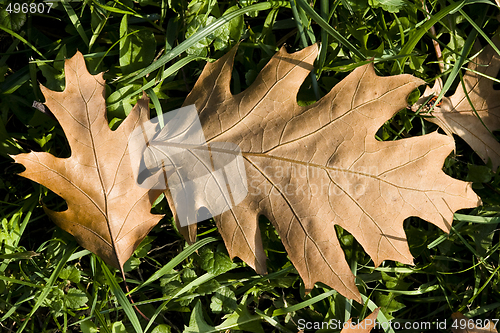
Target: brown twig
[(437, 47), (131, 299)]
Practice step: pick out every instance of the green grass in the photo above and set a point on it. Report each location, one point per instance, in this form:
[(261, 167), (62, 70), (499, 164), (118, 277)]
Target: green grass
[(49, 284)]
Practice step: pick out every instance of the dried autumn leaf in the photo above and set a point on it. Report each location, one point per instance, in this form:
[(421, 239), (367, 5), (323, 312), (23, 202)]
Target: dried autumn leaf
[(311, 168), (108, 213), (462, 324), (456, 116), (363, 327)]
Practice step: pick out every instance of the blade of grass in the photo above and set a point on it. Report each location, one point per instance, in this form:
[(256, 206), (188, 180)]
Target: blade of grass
[(158, 109), (471, 249), (469, 42), (300, 27), (324, 25), (169, 71), (50, 282), (116, 10), (114, 44), (477, 219), (121, 297), (462, 308), (303, 304), (24, 298), (28, 207), (102, 321), (382, 319), (481, 74), (79, 254), (195, 38), (269, 277), (479, 30), (421, 290), (443, 237), (12, 33), (306, 25), (33, 70), (98, 31), (270, 320), (131, 11), (75, 21), (195, 283), (401, 270), (324, 36), (93, 310), (482, 310), (174, 262), (462, 82), (31, 285), (354, 270), (421, 31), (7, 54)]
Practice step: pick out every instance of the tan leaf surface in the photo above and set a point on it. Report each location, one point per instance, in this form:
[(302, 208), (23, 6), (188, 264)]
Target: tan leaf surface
[(363, 327), (310, 168), (455, 115), (462, 324), (107, 212)]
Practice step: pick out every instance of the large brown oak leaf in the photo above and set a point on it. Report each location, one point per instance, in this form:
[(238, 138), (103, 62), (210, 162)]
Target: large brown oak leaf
[(308, 168), (108, 213), (311, 168)]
